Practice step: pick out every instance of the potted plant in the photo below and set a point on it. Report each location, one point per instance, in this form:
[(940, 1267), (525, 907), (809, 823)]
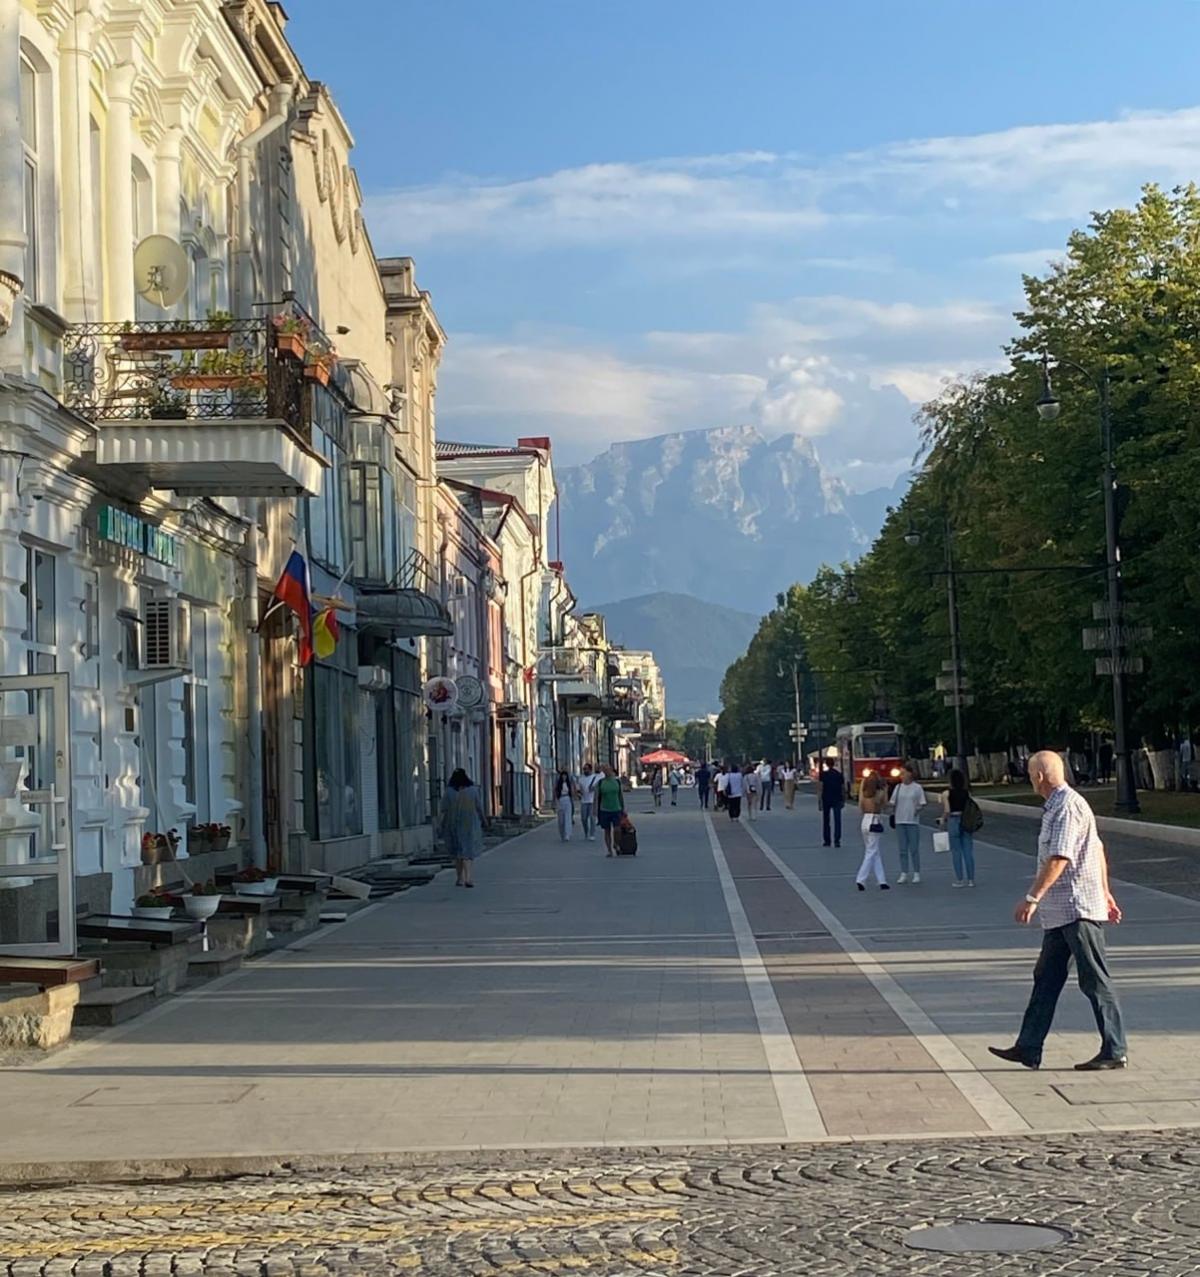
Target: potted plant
[(217, 370), (220, 319), (167, 405), (213, 836), (291, 334), (203, 902), (152, 905), (254, 882), (319, 362), (157, 848)]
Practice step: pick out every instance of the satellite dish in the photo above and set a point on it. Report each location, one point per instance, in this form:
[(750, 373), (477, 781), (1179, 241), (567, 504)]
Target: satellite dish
[(160, 270)]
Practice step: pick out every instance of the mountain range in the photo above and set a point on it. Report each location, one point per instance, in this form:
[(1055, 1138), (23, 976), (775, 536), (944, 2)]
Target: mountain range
[(693, 534), (693, 641), (725, 515)]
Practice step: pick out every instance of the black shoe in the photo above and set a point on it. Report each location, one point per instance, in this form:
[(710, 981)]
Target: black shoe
[(1013, 1056), (1100, 1063), (860, 886), (837, 844), (883, 886), (826, 844)]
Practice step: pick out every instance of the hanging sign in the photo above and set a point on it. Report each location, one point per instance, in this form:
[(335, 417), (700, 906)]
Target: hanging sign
[(470, 692), (441, 694)]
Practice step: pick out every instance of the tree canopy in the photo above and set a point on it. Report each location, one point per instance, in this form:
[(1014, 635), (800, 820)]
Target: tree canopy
[(1021, 501)]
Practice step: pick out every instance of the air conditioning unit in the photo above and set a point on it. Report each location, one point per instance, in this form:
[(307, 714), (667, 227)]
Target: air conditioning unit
[(374, 678), (166, 635)]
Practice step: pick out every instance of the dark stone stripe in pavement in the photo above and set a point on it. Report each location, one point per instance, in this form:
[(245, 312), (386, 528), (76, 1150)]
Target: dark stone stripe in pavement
[(868, 1074)]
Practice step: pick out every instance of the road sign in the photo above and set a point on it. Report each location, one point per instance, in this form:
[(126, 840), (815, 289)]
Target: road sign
[(1098, 638), (949, 683), (798, 735), (1102, 611), (948, 666), (958, 700), (1128, 665)]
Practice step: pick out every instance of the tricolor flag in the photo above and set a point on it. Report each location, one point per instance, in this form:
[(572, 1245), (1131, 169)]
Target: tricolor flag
[(292, 590), (325, 632)]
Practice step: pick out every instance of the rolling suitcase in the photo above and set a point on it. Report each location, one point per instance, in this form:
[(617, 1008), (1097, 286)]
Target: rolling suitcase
[(626, 840)]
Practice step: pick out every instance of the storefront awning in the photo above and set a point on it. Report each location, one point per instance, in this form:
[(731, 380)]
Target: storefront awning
[(407, 613)]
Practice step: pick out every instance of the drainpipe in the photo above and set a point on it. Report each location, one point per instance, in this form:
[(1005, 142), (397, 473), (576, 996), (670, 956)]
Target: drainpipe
[(280, 98), (255, 798)]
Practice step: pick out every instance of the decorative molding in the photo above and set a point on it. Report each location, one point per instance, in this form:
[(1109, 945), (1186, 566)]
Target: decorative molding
[(10, 290), (337, 188)]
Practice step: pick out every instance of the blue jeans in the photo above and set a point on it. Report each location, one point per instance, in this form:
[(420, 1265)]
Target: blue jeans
[(962, 847), (910, 847), (1083, 941), (836, 812), (587, 818)]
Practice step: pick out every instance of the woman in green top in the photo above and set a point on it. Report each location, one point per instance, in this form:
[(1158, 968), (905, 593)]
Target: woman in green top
[(610, 805)]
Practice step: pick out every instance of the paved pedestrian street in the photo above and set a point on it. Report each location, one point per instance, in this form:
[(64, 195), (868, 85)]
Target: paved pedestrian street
[(716, 1057)]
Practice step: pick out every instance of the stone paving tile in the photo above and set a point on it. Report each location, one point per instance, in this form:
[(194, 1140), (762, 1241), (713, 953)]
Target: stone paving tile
[(1126, 1206)]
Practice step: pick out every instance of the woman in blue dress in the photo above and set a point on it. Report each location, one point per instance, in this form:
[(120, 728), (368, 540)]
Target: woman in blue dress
[(462, 824)]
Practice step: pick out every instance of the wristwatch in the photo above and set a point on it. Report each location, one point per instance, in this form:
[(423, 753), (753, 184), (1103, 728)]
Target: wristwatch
[(1033, 900)]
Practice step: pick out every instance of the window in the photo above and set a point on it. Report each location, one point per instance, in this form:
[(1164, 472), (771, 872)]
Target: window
[(327, 519), (41, 620), (196, 721), (371, 509), (30, 136), (399, 725), (334, 809), (147, 698)]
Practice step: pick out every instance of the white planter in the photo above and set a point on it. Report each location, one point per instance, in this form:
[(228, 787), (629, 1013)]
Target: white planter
[(201, 907), (160, 913), (266, 888)]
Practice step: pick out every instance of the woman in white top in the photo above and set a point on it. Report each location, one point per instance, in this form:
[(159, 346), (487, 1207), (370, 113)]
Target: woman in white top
[(789, 786), (907, 800)]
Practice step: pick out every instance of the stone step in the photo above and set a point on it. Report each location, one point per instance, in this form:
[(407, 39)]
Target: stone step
[(114, 1005), (207, 966)]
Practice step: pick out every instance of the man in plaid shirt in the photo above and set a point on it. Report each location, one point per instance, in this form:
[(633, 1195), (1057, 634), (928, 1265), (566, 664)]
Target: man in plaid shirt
[(1071, 899)]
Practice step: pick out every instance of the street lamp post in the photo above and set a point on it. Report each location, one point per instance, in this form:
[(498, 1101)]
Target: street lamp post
[(912, 537), (1048, 407)]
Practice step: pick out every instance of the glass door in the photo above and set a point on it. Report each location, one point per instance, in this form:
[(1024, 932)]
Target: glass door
[(37, 870)]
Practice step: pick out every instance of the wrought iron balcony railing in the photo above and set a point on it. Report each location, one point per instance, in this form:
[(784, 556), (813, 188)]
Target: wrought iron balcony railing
[(198, 369)]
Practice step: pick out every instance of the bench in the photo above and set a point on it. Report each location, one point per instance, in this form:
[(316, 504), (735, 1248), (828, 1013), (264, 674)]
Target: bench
[(159, 935), (47, 973)]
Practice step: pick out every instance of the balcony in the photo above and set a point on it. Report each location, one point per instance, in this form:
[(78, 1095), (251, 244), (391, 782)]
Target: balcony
[(407, 607), (214, 407)]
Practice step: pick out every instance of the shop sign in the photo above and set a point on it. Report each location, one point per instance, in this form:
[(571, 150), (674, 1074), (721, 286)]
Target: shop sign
[(441, 694), (133, 533)]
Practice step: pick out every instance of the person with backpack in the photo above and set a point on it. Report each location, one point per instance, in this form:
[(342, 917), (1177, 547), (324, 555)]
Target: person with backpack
[(962, 818)]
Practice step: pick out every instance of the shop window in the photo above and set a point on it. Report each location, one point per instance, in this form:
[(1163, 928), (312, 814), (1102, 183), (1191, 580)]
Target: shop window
[(197, 779), (399, 725), (334, 779)]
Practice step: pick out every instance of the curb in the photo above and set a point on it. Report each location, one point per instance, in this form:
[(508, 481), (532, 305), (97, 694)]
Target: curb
[(1177, 835)]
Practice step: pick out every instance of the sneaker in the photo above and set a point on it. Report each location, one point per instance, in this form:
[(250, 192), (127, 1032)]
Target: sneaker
[(902, 878), (970, 882), (916, 879), (860, 886), (883, 886), (958, 882)]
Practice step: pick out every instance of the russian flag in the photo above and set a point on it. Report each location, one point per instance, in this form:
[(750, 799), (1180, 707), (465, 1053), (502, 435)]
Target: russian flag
[(292, 590)]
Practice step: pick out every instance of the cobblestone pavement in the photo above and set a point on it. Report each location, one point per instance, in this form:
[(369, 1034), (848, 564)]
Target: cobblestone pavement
[(1130, 1204)]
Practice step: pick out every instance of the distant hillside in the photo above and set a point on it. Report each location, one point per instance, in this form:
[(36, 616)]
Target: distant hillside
[(694, 643)]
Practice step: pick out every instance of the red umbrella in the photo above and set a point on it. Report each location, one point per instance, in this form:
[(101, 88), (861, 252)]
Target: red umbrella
[(664, 756)]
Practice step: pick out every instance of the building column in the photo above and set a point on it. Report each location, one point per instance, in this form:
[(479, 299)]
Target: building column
[(78, 182), (168, 182), (118, 195), (12, 183)]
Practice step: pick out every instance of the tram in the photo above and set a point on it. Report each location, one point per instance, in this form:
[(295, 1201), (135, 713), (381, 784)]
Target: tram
[(870, 749)]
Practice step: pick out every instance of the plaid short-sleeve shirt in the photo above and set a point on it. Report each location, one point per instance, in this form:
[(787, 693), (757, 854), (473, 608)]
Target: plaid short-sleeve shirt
[(1069, 830)]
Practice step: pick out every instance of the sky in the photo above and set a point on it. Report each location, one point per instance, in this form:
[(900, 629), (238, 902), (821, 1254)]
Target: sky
[(641, 216)]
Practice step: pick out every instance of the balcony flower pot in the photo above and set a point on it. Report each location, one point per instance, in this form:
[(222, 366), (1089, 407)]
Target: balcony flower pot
[(177, 339), (158, 849), (218, 381), (219, 842), (319, 370), (291, 344)]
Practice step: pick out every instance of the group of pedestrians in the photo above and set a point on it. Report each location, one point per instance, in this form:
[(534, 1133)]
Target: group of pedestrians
[(601, 799), (749, 786)]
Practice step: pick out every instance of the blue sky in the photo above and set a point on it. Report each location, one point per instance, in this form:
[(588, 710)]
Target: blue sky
[(641, 217)]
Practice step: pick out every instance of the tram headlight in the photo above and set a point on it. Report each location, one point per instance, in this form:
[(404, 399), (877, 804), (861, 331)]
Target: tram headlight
[(894, 772)]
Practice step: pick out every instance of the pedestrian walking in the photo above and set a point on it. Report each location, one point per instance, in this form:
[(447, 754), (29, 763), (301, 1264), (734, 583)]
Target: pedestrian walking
[(675, 780), (462, 824), (1187, 763), (703, 784), (656, 786), (587, 801), (1106, 761), (958, 808), (907, 800), (871, 800), (1072, 900), (610, 805), (565, 791), (832, 799), (751, 788), (789, 786), (766, 784), (733, 790)]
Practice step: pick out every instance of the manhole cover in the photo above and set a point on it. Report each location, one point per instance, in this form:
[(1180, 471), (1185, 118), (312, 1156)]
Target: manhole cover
[(991, 1236)]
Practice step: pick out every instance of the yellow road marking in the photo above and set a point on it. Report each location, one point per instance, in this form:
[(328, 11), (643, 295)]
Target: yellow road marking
[(407, 1230)]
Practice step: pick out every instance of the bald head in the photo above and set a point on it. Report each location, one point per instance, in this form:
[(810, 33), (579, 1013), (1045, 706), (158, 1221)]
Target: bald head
[(1046, 771)]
